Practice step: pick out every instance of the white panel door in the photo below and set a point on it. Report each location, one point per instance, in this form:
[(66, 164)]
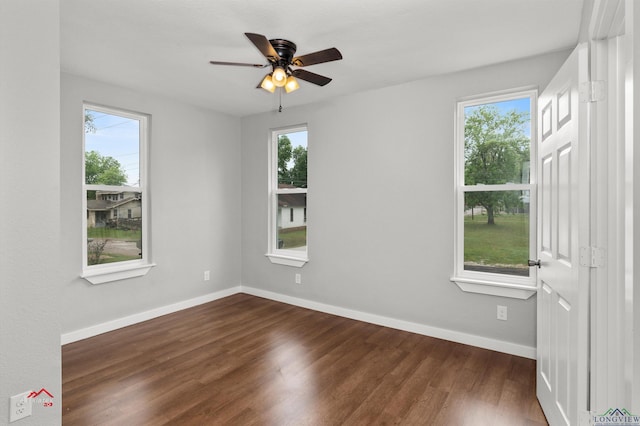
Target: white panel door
[(562, 228)]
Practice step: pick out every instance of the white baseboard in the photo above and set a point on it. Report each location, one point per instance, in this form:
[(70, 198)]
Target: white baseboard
[(104, 327), (440, 333)]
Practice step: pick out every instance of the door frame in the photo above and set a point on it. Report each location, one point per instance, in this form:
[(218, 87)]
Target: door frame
[(608, 28)]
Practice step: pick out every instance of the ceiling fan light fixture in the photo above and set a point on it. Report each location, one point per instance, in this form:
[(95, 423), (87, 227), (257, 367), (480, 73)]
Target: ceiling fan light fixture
[(279, 77), (267, 84), (292, 84), (280, 56)]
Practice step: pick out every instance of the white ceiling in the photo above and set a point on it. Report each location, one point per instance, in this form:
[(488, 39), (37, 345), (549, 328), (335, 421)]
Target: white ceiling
[(164, 46)]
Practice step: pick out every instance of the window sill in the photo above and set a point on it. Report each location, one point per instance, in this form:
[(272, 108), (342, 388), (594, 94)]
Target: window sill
[(281, 259), (114, 273), (514, 291)]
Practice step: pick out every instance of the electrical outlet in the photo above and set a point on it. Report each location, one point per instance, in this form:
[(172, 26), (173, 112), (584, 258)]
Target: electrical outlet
[(502, 313), (298, 279), (19, 406), (207, 275)]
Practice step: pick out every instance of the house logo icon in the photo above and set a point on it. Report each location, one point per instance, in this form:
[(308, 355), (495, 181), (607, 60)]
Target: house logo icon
[(616, 416), (43, 397), (35, 394)]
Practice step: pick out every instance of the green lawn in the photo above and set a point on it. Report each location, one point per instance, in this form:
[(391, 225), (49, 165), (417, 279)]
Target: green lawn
[(100, 235), (114, 234), (112, 258), (293, 238), (506, 243)]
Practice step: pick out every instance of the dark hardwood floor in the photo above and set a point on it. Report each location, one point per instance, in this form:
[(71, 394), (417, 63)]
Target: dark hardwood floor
[(246, 360)]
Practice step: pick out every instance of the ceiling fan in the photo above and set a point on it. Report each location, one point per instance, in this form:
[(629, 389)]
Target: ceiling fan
[(279, 53)]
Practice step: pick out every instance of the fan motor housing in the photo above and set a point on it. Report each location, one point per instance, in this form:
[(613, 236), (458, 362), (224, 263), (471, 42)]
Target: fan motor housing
[(285, 49)]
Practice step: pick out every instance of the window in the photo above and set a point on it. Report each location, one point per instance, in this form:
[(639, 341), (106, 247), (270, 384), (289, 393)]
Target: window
[(288, 193), (495, 195), (115, 202)]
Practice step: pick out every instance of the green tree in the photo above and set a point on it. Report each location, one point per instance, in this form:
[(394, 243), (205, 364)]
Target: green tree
[(103, 170), (298, 172), (292, 163), (284, 156), (495, 149)]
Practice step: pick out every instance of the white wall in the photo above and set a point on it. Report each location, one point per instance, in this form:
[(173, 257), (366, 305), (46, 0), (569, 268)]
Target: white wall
[(30, 204), (195, 205), (371, 153)]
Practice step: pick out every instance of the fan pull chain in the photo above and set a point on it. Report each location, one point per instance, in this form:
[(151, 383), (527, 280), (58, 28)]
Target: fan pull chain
[(280, 95)]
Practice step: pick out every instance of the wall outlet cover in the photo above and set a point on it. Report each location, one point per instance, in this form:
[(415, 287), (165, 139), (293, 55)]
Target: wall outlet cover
[(19, 406)]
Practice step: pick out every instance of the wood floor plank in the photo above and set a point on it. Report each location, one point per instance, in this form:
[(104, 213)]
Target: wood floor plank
[(245, 360), (381, 405)]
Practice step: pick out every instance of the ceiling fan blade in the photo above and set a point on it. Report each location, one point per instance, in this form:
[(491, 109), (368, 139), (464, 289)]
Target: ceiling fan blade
[(238, 64), (319, 57), (263, 45), (311, 77)]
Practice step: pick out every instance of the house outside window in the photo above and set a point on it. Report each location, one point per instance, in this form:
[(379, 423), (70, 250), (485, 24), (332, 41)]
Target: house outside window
[(288, 192), (115, 225), (495, 194)]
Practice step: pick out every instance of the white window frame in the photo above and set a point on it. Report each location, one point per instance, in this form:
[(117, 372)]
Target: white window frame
[(103, 273), (295, 258), (483, 282)]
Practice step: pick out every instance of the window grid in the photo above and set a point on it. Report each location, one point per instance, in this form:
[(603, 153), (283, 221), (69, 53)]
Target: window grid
[(288, 189), (123, 197), (493, 275)]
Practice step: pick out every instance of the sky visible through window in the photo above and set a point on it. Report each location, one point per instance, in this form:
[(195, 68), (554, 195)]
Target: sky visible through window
[(298, 138), (520, 105), (117, 137)]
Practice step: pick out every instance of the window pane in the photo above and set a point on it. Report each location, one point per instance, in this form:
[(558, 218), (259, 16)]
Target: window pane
[(114, 227), (291, 222), (112, 149), (292, 160), (497, 140), (496, 232)]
